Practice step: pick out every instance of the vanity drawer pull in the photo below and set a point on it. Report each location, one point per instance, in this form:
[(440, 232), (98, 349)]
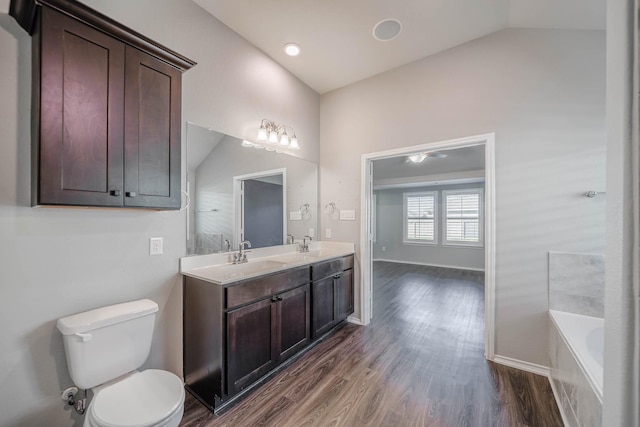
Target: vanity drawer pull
[(130, 194), (115, 193)]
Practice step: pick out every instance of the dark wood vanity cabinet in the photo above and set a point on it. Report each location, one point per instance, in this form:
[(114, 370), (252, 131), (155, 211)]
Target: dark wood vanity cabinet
[(265, 333), (106, 123), (234, 335), (238, 335), (332, 294)]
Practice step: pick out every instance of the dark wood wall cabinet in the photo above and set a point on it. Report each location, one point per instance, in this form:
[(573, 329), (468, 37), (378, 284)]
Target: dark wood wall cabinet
[(238, 335), (106, 110)]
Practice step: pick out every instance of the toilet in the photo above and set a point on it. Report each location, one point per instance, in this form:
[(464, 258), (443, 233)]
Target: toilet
[(104, 348)]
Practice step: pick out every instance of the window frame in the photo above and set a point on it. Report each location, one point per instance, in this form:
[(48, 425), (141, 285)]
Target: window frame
[(405, 218), (480, 242)]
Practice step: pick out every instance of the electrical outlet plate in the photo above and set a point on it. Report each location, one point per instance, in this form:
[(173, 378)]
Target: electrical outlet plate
[(327, 233), (312, 233), (155, 246), (348, 215)]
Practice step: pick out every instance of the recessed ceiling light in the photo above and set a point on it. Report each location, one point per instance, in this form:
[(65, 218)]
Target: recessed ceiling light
[(291, 49), (387, 29)]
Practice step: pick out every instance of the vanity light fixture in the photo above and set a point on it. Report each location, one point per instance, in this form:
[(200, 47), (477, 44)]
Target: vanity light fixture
[(277, 134), (291, 49)]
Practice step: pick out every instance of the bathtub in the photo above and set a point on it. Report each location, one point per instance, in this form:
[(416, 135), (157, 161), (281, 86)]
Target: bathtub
[(576, 352), (585, 337)]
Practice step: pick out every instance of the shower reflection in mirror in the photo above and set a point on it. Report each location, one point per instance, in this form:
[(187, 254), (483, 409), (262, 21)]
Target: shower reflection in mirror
[(218, 166)]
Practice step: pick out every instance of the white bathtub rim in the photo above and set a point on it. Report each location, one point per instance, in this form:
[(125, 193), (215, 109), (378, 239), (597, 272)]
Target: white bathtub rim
[(592, 371)]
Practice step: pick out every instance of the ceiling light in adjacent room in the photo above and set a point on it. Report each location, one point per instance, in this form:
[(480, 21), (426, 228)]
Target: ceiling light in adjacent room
[(387, 29), (419, 157), (291, 49)]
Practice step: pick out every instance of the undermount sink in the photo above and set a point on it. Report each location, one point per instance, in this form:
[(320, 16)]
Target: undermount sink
[(302, 256), (250, 267)]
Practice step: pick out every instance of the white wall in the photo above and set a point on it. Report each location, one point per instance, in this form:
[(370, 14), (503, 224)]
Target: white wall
[(390, 232), (55, 262), (543, 93)]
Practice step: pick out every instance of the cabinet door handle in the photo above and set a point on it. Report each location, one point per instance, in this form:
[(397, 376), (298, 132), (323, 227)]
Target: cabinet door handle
[(115, 193), (130, 194), (336, 276), (274, 298)]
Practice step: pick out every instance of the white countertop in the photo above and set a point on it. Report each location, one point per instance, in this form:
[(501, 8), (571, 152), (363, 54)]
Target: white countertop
[(217, 269)]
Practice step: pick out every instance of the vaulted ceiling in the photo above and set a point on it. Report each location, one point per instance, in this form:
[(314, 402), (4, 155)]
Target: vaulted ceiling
[(336, 36)]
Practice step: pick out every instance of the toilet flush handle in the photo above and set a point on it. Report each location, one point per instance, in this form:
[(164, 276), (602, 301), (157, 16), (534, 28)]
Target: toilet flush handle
[(85, 337)]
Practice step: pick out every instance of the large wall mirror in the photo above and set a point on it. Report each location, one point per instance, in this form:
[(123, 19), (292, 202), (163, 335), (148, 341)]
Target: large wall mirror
[(244, 193)]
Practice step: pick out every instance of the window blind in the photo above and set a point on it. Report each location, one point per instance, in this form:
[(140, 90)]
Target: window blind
[(462, 217), (420, 217)]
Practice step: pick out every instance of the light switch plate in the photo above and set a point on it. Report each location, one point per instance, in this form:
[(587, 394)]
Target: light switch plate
[(312, 233), (348, 215), (155, 246), (295, 216), (327, 233)]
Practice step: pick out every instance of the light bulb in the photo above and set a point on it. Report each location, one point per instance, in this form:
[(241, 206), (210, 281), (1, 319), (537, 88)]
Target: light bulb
[(284, 139), (273, 136), (294, 143), (291, 49), (262, 133)]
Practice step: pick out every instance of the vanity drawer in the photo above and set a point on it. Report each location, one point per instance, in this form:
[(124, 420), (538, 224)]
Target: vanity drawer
[(331, 267), (263, 287)]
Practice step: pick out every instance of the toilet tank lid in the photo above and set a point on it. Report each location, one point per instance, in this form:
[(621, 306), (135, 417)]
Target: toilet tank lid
[(105, 316)]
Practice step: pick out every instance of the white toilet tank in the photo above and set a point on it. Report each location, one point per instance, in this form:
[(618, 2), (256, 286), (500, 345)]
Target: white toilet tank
[(107, 342)]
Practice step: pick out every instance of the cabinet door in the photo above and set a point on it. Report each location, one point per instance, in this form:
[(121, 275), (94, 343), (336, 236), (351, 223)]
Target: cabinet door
[(323, 306), (251, 350), (344, 294), (78, 139), (293, 321), (152, 132)]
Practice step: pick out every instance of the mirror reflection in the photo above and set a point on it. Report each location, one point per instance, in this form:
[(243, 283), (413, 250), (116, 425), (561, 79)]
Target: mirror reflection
[(244, 193)]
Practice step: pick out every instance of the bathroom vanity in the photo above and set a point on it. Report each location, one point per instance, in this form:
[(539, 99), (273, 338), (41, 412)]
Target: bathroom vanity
[(244, 323)]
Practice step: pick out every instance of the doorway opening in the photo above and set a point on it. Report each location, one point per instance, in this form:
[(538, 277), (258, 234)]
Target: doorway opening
[(260, 208), (425, 226)]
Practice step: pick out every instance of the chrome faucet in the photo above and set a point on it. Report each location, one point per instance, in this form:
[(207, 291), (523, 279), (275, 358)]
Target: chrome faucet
[(241, 256), (304, 246), (227, 244)]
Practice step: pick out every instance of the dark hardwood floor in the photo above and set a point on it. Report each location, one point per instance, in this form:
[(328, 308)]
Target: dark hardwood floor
[(419, 363)]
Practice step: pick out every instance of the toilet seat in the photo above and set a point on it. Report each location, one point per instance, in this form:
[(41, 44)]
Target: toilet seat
[(144, 399)]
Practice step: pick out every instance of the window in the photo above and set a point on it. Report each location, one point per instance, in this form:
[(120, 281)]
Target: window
[(420, 217), (463, 217)]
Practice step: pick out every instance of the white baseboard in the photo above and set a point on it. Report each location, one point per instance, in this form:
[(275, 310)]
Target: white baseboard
[(355, 320), (457, 267), (522, 365)]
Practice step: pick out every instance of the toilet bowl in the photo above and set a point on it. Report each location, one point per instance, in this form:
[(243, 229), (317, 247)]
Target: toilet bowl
[(152, 398), (104, 348)]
